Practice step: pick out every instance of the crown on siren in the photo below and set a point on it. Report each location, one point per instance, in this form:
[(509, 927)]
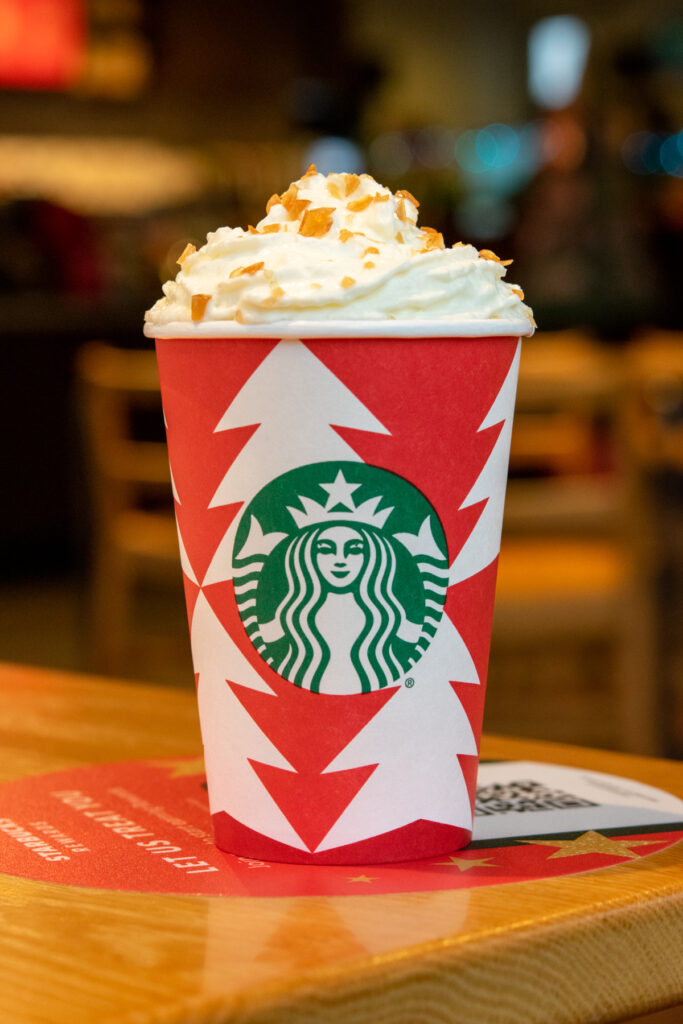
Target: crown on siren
[(340, 493)]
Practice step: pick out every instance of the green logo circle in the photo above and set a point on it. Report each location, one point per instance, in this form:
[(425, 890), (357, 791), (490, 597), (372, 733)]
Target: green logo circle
[(340, 572)]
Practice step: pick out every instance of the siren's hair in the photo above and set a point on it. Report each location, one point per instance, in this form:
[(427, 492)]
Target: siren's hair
[(308, 655), (373, 656)]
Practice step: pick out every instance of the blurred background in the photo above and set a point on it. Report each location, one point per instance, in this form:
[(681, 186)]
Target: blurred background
[(550, 133)]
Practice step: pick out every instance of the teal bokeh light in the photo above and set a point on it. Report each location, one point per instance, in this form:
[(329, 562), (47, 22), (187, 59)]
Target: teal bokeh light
[(497, 145)]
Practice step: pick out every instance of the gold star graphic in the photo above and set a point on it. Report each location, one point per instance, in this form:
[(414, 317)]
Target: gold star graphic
[(465, 863), (177, 769), (360, 878), (592, 842)]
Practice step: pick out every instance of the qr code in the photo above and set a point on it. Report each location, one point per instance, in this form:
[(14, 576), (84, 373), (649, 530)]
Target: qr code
[(524, 795)]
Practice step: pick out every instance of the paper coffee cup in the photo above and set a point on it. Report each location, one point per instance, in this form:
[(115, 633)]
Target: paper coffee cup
[(339, 494)]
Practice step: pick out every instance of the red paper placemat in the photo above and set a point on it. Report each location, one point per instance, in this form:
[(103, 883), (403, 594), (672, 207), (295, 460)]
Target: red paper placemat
[(144, 826)]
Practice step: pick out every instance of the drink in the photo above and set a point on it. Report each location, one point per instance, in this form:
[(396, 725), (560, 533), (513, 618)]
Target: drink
[(339, 456)]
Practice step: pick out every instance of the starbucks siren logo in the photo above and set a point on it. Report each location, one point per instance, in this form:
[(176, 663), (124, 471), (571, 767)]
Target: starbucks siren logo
[(341, 572)]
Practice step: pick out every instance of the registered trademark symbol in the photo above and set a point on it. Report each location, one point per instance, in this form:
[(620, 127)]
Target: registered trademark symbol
[(410, 682)]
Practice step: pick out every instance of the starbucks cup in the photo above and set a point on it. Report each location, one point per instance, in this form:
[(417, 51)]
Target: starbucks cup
[(339, 495)]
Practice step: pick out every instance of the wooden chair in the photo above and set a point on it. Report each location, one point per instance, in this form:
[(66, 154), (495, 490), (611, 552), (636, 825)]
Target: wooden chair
[(134, 534), (573, 604), (654, 369), (654, 424)]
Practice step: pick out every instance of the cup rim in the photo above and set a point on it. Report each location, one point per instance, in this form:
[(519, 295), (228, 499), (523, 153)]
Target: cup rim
[(295, 329)]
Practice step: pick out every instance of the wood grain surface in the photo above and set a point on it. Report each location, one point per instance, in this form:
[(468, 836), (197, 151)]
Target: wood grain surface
[(599, 946)]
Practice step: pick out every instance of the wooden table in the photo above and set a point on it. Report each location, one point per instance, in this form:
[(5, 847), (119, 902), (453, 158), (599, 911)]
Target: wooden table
[(598, 946)]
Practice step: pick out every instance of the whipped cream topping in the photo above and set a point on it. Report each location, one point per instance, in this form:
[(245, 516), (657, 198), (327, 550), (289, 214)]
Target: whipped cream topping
[(337, 248)]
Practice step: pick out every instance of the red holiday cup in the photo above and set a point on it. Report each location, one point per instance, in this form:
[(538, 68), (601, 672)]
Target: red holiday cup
[(339, 495)]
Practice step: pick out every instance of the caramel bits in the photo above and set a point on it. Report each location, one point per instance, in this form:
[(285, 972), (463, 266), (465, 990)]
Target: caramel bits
[(351, 183), (433, 239), (347, 282), (344, 235), (274, 199), (357, 205), (253, 268), (487, 254), (187, 251), (198, 306), (292, 204), (403, 193), (343, 185), (370, 248), (316, 222)]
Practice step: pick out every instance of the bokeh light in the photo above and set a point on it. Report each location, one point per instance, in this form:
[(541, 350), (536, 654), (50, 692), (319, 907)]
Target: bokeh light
[(497, 145), (331, 154), (647, 152), (557, 54)]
